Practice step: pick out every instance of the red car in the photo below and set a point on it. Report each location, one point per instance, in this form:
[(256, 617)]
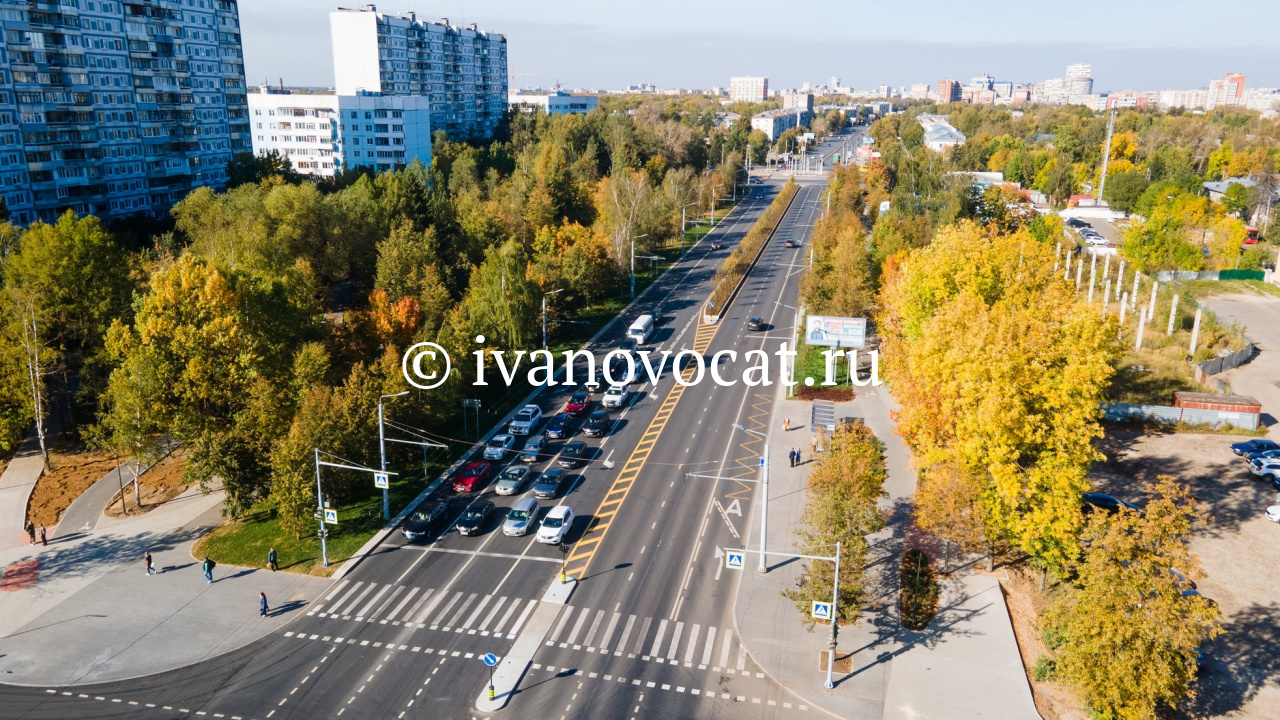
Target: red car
[(473, 477), (579, 403)]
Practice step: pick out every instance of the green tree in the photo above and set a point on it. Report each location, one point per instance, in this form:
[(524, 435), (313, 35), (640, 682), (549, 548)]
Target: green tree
[(1236, 199), (249, 168), (1124, 189)]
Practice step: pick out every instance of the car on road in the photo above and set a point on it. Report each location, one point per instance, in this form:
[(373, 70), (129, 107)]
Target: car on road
[(620, 372), (499, 446), (421, 522), (755, 324), (511, 480), (571, 454), (556, 525), (656, 311), (473, 477), (526, 420), (788, 243), (597, 424), (1255, 445), (615, 396), (532, 450), (628, 345), (549, 482), (578, 403), (716, 245), (559, 427), (1107, 503), (474, 517), (521, 518)]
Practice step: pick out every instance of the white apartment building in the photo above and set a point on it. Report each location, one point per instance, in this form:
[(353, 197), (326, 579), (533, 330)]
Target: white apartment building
[(939, 133), (557, 103), (322, 134), (775, 122), (463, 70), (751, 89)]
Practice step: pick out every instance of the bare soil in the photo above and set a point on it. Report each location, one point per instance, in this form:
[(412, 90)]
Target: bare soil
[(820, 393), (1020, 583), (158, 485), (75, 468)]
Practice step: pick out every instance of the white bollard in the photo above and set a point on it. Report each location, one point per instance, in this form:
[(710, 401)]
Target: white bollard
[(1173, 313)]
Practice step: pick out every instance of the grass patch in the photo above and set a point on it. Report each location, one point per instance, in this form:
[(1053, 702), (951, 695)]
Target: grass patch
[(1201, 289), (1151, 426)]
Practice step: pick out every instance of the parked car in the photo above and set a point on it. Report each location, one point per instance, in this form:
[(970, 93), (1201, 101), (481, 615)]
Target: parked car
[(597, 424), (1264, 455), (556, 525), (549, 482), (511, 480), (578, 403), (526, 420), (1255, 445), (473, 477), (1268, 470), (499, 446), (532, 450), (755, 324), (559, 427), (1273, 513), (1102, 501), (520, 519), (571, 454), (474, 517), (421, 522), (615, 397)]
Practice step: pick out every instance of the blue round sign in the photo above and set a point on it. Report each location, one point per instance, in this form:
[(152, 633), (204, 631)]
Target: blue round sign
[(490, 659)]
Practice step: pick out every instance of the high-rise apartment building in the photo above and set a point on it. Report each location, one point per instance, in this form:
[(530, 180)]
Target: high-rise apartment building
[(947, 91), (1225, 91), (751, 89), (1079, 80), (462, 70), (115, 108)]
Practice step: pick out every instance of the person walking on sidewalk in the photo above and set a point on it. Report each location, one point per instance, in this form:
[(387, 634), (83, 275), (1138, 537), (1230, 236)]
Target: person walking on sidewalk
[(791, 455), (151, 568), (271, 560), (262, 604), (44, 540), (208, 566), (786, 424), (797, 457)]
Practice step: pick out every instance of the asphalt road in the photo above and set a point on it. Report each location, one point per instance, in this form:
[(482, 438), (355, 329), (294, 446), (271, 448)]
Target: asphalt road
[(648, 633)]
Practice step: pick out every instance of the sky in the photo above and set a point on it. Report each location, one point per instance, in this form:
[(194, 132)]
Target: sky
[(1131, 44)]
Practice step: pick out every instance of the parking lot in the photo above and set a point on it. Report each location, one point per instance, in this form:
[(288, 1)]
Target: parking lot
[(1238, 553)]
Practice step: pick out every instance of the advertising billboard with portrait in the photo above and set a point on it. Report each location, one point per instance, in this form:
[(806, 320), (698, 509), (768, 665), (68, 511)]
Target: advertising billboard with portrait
[(835, 331)]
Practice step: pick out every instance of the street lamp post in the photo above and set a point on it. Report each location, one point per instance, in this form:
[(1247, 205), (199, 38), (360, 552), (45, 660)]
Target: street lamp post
[(544, 313), (633, 263), (682, 226), (835, 621), (324, 549), (764, 496), (382, 452)]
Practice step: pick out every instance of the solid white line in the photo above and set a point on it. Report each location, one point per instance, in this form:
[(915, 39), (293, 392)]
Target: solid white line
[(481, 553), (520, 620), (403, 602)]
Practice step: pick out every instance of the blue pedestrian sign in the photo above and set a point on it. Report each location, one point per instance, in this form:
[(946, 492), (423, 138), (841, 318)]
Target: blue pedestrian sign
[(821, 610), (380, 480), (761, 462), (490, 659), (733, 560), (331, 516)]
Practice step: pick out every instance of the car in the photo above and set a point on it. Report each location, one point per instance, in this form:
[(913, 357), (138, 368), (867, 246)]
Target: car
[(556, 525), (716, 245), (788, 243), (620, 372), (521, 518), (532, 450), (1273, 513), (559, 427), (499, 446), (549, 482), (1262, 454), (1102, 501), (656, 311), (1074, 222), (755, 324), (1261, 459), (1255, 445), (421, 522), (628, 345), (595, 382), (526, 420), (511, 480), (1269, 470), (597, 424), (579, 403), (473, 477), (615, 396), (474, 517), (571, 454), (1096, 240)]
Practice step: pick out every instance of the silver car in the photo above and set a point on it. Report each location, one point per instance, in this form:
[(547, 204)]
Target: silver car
[(521, 518), (511, 480)]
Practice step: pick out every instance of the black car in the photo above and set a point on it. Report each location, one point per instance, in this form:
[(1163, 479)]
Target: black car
[(571, 455), (549, 482), (715, 245), (421, 522), (656, 311), (628, 345), (1107, 503), (597, 424), (1255, 445), (620, 372), (559, 427), (472, 520), (755, 323)]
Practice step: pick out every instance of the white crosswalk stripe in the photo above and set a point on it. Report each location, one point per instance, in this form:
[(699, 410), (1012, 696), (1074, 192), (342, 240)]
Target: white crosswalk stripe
[(409, 606), (655, 640)]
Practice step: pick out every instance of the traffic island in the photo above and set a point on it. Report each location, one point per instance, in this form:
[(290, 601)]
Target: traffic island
[(511, 669)]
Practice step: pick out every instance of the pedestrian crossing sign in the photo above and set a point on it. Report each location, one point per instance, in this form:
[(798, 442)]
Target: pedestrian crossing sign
[(821, 610), (733, 560), (380, 480), (331, 516)]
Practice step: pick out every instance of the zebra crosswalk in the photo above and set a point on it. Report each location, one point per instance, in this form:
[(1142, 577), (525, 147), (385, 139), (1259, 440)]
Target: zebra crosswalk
[(408, 606), (650, 639)]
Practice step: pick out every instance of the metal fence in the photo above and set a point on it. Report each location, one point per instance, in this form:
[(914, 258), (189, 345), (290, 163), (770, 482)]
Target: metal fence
[(1167, 275), (1235, 359), (1166, 414)]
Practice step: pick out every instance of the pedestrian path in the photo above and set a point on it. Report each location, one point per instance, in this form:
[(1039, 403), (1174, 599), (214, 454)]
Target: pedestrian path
[(414, 607), (16, 483)]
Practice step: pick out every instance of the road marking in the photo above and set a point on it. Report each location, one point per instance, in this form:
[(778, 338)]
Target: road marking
[(482, 553), (733, 530)]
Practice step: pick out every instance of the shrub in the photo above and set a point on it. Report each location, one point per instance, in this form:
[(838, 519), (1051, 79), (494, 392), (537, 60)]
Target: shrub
[(918, 600)]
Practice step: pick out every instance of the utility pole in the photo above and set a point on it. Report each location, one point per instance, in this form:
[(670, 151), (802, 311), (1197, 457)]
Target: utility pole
[(324, 548), (633, 261), (382, 453), (835, 621), (1106, 155)]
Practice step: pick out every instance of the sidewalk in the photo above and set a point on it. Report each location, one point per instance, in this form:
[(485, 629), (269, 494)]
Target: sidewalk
[(16, 484), (965, 665), (82, 609)]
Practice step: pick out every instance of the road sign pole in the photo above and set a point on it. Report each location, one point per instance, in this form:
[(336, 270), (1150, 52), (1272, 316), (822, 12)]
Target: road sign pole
[(490, 682), (324, 550), (382, 452), (835, 609), (764, 508)]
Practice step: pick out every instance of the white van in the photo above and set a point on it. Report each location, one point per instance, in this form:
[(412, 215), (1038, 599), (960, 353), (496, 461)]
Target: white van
[(641, 329)]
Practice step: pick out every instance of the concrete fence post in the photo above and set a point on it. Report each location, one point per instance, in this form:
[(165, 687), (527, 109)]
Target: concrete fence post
[(1133, 295), (1093, 277), (1124, 305), (1195, 332), (1106, 267), (1106, 298), (1173, 313), (1079, 273), (1057, 258), (1142, 324), (1151, 313)]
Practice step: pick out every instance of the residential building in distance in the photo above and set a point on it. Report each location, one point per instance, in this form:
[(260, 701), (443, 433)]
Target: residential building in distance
[(775, 122), (919, 91), (324, 133), (114, 109), (751, 89), (462, 70), (555, 103), (947, 91), (801, 102), (1079, 80), (938, 133), (1225, 91)]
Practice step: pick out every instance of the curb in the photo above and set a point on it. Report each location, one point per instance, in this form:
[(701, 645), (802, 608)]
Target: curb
[(750, 268)]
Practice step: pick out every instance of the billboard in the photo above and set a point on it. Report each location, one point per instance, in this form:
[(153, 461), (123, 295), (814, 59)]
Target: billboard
[(835, 331)]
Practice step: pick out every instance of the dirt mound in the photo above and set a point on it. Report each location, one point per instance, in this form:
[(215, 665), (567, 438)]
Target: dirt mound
[(75, 468), (159, 484)]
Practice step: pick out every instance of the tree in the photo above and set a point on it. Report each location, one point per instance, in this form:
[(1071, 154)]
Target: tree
[(1236, 199), (948, 503), (1124, 189), (249, 168)]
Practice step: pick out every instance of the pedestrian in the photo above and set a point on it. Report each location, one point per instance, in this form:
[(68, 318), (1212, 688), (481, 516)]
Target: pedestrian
[(30, 530), (797, 456), (786, 424), (44, 540), (262, 604), (208, 566), (151, 568), (271, 560)]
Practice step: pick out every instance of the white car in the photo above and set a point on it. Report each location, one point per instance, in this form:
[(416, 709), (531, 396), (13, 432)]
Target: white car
[(526, 420), (555, 526), (1269, 470), (1273, 513), (498, 447), (615, 397)]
